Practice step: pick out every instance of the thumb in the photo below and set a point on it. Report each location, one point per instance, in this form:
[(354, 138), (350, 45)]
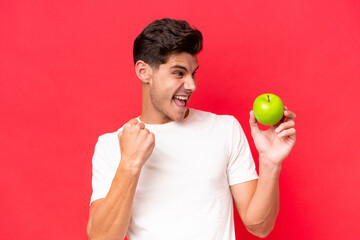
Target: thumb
[(253, 124), (119, 134)]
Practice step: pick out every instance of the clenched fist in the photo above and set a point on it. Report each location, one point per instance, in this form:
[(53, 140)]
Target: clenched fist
[(136, 144)]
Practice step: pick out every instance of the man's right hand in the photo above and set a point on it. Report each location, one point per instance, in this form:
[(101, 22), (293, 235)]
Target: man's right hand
[(136, 144), (110, 216)]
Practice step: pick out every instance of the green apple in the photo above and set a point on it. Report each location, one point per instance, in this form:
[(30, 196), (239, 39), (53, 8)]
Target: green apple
[(268, 109)]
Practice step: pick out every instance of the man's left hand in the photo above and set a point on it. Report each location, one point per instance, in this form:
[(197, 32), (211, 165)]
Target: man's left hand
[(274, 144)]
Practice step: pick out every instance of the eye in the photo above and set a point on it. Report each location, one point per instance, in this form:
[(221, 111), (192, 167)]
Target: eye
[(178, 73)]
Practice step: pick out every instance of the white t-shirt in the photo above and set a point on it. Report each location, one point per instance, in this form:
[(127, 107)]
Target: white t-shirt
[(183, 191)]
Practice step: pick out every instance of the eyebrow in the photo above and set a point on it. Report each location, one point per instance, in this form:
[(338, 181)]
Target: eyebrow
[(182, 67)]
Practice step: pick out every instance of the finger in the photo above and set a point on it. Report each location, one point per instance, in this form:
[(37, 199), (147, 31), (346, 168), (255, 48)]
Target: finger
[(152, 138), (284, 126), (146, 130), (140, 125), (253, 124), (287, 132), (289, 114), (132, 121)]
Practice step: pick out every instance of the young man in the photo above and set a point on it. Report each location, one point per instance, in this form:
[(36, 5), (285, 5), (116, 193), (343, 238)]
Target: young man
[(173, 172)]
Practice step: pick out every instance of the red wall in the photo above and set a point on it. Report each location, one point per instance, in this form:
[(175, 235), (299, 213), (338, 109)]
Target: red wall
[(66, 77)]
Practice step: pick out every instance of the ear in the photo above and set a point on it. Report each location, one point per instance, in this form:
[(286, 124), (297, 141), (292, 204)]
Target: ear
[(143, 71)]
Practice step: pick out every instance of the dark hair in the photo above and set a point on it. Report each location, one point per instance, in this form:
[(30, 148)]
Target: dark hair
[(164, 37)]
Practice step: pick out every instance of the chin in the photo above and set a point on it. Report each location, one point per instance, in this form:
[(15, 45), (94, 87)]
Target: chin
[(178, 116)]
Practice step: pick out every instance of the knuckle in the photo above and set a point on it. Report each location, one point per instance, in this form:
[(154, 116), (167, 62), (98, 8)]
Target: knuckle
[(132, 121), (126, 128), (152, 136)]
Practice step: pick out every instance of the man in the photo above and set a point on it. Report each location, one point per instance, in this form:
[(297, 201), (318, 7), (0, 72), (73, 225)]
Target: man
[(173, 172)]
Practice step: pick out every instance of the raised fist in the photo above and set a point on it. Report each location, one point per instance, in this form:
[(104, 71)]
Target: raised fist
[(136, 144)]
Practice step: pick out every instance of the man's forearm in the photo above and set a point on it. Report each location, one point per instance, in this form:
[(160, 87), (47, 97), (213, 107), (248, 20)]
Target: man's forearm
[(110, 218), (264, 205)]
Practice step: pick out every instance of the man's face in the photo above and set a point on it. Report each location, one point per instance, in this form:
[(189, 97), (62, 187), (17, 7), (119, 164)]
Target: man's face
[(172, 85)]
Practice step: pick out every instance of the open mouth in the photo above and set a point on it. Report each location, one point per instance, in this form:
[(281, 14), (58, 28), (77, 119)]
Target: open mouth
[(181, 101)]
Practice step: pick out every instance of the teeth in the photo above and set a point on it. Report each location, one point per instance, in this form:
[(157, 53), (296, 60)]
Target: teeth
[(181, 98)]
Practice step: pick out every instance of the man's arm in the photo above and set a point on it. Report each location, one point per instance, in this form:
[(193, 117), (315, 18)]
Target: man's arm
[(109, 217), (257, 201)]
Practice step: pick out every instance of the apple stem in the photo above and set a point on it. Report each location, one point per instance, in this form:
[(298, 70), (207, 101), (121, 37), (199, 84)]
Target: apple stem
[(268, 98)]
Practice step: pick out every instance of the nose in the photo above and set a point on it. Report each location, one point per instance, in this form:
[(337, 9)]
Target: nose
[(190, 83)]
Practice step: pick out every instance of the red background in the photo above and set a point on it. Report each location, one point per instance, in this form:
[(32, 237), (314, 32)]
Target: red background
[(67, 77)]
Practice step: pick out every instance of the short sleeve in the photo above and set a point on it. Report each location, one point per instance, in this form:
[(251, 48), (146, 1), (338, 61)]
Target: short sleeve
[(241, 166), (104, 165)]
